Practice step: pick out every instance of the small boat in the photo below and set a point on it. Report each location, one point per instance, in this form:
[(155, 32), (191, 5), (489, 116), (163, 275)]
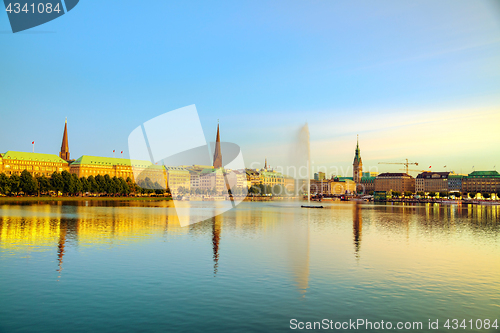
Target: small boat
[(306, 206)]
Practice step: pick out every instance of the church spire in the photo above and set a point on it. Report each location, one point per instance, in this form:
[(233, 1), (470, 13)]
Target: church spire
[(217, 154), (357, 165), (64, 154), (265, 164)]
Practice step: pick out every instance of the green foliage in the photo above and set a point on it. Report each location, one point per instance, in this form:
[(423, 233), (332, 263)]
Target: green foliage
[(432, 194), (486, 195), (472, 195), (44, 185), (443, 194), (27, 183), (396, 194), (4, 184), (408, 194), (15, 184), (422, 194)]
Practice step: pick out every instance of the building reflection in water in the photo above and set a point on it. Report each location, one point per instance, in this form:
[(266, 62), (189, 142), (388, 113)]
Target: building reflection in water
[(357, 228)]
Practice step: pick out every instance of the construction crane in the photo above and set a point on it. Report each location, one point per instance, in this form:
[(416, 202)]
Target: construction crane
[(406, 164)]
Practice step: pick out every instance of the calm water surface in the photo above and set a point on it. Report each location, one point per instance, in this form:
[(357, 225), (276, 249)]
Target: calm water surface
[(130, 267)]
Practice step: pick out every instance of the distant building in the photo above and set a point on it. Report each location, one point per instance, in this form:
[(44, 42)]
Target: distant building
[(432, 182), (15, 162), (370, 174), (482, 182), (319, 176), (357, 165), (400, 182)]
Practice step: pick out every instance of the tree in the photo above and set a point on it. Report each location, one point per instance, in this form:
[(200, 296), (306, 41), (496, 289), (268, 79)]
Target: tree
[(15, 184), (92, 184), (101, 184), (68, 183), (396, 194), (486, 195), (44, 185), (472, 195), (4, 184), (27, 183), (76, 184), (85, 185), (422, 194), (443, 194), (408, 193), (57, 182), (432, 194)]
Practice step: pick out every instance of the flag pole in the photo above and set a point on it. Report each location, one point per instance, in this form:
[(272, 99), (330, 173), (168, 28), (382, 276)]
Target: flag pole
[(33, 143)]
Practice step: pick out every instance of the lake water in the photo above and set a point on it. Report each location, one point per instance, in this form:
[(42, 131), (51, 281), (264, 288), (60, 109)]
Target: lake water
[(105, 266)]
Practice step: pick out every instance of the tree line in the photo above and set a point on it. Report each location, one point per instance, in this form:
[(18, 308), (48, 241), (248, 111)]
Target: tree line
[(70, 185)]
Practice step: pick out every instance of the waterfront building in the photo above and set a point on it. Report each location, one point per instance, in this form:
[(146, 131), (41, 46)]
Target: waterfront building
[(211, 179), (271, 178), (64, 153), (15, 162), (178, 177), (432, 182), (482, 182), (289, 184), (320, 187), (342, 185), (253, 177), (367, 183), (357, 165), (137, 171), (400, 182), (455, 183), (236, 179), (333, 186)]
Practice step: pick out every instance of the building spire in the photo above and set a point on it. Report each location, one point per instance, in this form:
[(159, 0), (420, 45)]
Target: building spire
[(64, 154), (217, 153), (265, 164)]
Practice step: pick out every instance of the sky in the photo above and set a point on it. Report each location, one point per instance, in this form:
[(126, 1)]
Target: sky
[(417, 80)]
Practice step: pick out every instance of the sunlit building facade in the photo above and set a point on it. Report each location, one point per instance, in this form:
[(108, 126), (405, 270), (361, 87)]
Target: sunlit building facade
[(14, 162)]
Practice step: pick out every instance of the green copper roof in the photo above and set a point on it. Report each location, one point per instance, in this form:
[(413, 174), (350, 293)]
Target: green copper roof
[(484, 174), (368, 179), (112, 161), (17, 155), (455, 176)]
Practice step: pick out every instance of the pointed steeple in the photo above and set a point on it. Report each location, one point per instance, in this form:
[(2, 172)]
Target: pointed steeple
[(64, 154), (357, 156), (217, 153), (265, 164)]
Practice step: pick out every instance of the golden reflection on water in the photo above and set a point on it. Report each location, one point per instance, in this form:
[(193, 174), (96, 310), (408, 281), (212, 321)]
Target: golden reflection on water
[(45, 227)]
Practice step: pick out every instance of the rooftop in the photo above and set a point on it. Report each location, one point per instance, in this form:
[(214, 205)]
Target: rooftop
[(22, 156), (112, 161), (484, 174)]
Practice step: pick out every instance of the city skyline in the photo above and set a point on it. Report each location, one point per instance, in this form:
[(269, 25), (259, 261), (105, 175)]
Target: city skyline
[(413, 92)]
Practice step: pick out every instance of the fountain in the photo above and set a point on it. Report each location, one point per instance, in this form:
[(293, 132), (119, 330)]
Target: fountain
[(302, 149)]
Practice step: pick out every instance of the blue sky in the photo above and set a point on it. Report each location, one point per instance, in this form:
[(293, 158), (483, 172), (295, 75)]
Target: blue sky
[(417, 80)]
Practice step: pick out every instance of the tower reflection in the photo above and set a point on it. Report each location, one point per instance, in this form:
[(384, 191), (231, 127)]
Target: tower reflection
[(357, 227), (216, 233)]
